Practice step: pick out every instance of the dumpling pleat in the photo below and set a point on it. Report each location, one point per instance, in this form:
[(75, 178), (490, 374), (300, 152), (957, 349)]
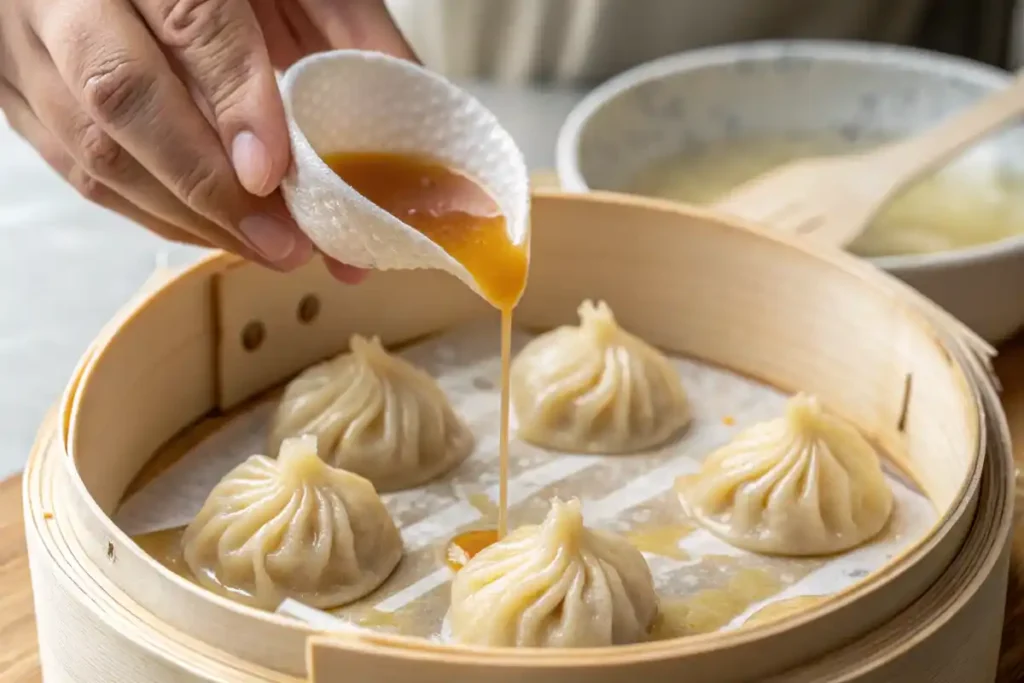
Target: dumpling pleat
[(805, 484), (385, 419), (558, 584), (294, 527), (596, 389)]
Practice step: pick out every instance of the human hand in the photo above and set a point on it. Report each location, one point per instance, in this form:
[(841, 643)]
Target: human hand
[(167, 111), (296, 28)]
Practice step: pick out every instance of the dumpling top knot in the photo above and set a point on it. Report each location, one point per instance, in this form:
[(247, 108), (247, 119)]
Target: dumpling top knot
[(803, 414), (292, 527), (369, 350), (299, 463), (564, 525), (596, 388), (375, 414), (598, 320)]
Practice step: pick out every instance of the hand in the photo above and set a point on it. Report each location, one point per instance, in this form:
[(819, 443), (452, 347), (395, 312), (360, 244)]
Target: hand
[(167, 111), (296, 28)]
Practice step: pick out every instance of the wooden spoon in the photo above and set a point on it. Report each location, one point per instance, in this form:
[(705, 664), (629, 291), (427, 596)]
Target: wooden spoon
[(834, 199)]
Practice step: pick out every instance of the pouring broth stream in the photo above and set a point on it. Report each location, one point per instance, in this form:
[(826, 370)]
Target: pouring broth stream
[(461, 217)]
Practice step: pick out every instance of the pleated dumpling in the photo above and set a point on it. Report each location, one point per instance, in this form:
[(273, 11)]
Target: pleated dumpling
[(558, 584), (596, 389), (806, 483), (374, 414), (293, 527)]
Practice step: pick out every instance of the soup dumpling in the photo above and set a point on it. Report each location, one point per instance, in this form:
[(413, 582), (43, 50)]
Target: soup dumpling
[(374, 414), (596, 388), (293, 527), (557, 584), (806, 483)]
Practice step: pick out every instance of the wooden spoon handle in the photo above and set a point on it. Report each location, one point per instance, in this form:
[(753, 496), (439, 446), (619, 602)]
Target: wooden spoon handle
[(904, 161)]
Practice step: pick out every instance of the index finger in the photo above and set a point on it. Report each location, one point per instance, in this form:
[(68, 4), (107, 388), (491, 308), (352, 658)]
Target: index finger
[(221, 47), (123, 81)]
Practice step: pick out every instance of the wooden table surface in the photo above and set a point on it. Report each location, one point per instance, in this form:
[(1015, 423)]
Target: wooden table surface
[(19, 662)]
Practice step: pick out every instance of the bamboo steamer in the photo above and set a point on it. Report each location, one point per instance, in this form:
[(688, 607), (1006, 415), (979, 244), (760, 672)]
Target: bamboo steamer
[(209, 339)]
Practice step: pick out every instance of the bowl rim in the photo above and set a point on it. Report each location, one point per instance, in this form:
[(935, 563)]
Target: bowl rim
[(567, 145)]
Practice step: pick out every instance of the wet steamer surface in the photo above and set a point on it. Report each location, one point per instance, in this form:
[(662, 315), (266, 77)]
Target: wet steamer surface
[(706, 585), (460, 216)]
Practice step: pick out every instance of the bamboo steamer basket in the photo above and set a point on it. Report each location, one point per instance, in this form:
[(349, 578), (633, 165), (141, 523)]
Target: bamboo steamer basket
[(203, 342)]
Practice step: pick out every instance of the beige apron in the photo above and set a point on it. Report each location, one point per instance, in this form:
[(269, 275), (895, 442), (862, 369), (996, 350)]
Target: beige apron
[(583, 41)]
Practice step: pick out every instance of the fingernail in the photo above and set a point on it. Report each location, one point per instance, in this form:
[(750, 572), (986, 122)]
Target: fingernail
[(270, 236), (252, 163)]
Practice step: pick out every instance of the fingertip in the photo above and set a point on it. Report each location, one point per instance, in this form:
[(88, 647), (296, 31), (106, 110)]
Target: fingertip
[(342, 272), (301, 254)]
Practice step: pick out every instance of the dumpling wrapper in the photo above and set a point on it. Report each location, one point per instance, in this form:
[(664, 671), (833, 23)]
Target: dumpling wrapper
[(558, 584), (376, 415), (806, 483), (596, 389), (293, 527), (359, 100)]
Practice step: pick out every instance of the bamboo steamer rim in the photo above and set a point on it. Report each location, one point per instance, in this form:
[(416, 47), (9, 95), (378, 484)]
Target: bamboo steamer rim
[(425, 647), (996, 537), (860, 666), (47, 531), (966, 350)]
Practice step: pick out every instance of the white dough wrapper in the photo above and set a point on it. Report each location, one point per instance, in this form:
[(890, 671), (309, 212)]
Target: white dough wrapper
[(806, 483), (355, 101), (293, 527), (376, 415), (596, 388), (557, 584)]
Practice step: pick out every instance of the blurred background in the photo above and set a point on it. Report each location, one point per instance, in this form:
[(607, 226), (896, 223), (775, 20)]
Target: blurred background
[(582, 42), (66, 265)]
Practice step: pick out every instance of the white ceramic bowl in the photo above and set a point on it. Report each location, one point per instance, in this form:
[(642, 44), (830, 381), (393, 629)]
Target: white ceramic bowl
[(770, 89)]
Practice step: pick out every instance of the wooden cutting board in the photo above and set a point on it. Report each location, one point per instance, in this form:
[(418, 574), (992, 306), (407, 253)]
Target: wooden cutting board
[(19, 661)]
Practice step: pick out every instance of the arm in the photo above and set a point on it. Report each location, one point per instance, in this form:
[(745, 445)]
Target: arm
[(167, 111)]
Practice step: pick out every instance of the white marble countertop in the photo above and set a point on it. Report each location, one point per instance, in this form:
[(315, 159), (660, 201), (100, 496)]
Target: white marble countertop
[(67, 265)]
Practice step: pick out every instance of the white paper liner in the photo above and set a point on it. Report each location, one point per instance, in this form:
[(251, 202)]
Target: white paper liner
[(628, 493), (354, 101)]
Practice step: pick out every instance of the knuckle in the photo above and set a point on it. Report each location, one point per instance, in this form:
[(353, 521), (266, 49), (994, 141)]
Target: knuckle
[(190, 22), (89, 186), (116, 90), (200, 188), (229, 85), (100, 156), (220, 41)]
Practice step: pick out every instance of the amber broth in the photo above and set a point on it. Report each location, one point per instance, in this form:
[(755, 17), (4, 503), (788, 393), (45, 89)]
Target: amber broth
[(461, 217)]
